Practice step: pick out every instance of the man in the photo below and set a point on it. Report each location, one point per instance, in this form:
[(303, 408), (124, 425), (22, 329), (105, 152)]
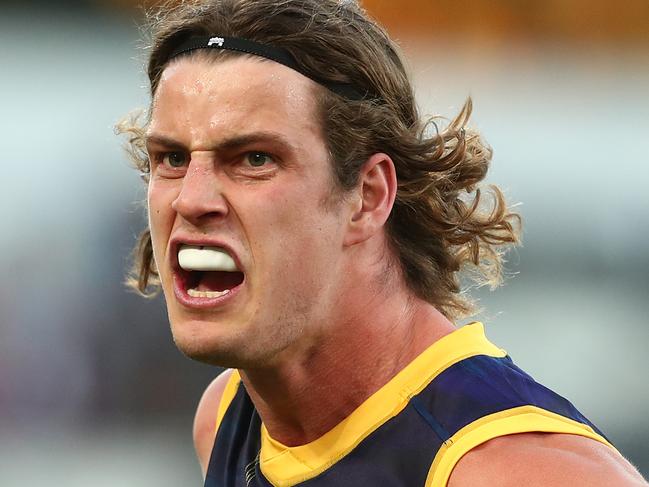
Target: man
[(307, 229)]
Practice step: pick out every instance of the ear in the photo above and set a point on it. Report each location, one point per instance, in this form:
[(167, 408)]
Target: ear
[(373, 200)]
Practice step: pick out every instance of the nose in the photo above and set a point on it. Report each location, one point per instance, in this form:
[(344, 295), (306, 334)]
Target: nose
[(200, 198)]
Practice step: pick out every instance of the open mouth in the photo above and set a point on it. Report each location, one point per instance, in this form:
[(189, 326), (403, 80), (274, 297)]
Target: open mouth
[(207, 272), (211, 284)]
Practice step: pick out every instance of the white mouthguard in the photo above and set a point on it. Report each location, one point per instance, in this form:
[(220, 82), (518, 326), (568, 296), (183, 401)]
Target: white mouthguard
[(195, 258)]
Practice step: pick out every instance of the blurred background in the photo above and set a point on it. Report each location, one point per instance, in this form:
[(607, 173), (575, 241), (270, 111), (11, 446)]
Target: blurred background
[(92, 390)]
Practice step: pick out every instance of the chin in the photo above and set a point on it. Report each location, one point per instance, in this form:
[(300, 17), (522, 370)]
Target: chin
[(210, 347), (197, 343)]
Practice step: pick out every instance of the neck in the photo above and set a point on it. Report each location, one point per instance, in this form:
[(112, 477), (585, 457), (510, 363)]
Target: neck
[(301, 398)]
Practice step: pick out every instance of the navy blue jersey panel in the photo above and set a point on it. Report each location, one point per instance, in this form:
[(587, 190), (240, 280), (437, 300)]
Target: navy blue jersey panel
[(237, 444), (398, 454), (259, 480), (483, 385)]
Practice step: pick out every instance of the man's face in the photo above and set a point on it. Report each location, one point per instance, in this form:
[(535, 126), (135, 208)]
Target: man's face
[(239, 166)]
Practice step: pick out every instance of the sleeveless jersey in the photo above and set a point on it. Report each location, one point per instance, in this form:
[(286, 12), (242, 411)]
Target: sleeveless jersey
[(459, 393)]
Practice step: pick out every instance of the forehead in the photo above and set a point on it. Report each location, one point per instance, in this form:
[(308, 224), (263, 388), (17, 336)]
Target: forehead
[(232, 94)]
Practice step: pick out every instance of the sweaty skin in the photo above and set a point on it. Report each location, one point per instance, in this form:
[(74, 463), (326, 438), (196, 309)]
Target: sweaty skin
[(272, 217), (239, 162), (301, 316)]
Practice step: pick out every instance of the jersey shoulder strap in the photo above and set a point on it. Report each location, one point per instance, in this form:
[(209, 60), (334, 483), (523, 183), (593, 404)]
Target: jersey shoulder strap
[(229, 392), (481, 398)]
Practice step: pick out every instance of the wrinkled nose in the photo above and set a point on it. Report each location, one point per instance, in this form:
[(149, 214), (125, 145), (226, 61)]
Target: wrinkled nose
[(200, 198)]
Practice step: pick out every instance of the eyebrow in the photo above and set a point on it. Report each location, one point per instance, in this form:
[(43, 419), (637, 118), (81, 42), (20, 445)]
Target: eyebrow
[(228, 144)]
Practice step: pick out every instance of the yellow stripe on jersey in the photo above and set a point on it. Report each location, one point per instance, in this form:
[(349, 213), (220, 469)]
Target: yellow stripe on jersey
[(286, 466), (229, 392), (524, 419)]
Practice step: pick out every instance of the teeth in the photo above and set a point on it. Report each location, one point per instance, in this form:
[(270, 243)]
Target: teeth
[(194, 293), (195, 258)]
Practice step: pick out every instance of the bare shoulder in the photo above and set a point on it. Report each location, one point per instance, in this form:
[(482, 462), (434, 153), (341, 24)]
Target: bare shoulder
[(544, 459), (205, 419)]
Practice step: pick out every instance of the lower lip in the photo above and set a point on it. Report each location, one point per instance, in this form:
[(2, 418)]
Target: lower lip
[(202, 303)]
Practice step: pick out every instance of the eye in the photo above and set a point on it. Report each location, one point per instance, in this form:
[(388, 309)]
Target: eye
[(258, 159), (174, 159)]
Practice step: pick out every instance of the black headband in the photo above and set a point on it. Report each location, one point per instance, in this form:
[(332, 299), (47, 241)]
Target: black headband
[(277, 54)]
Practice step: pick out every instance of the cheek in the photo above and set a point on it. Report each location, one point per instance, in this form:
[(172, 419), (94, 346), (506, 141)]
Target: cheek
[(288, 216), (298, 230), (159, 199)]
